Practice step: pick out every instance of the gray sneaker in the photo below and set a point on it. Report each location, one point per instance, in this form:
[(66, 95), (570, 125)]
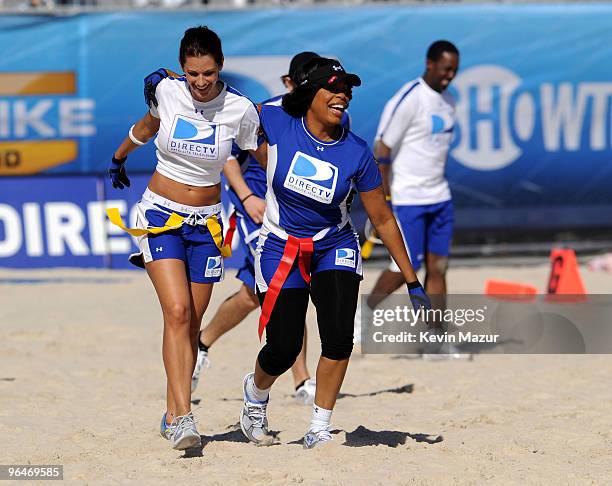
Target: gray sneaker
[(185, 434), (253, 418), (165, 430), (317, 436)]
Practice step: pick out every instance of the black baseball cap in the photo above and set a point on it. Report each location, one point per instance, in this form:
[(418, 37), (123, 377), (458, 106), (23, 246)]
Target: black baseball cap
[(326, 71), (296, 67)]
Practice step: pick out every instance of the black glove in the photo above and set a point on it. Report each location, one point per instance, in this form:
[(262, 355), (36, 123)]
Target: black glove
[(150, 85), (418, 297), (117, 173)]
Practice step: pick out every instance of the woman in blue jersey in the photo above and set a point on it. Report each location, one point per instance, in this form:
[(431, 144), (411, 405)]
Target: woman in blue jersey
[(196, 119), (247, 191), (307, 245)]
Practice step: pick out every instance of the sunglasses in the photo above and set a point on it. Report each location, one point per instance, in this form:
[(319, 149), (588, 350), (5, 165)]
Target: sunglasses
[(339, 87)]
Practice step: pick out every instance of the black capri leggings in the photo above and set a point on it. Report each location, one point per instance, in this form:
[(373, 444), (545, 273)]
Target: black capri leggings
[(334, 294)]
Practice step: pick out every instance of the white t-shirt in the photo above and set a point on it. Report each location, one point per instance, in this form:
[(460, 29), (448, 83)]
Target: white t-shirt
[(417, 125), (195, 138)]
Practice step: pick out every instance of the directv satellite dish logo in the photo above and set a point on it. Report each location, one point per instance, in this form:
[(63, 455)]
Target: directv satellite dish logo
[(312, 177), (345, 257), (439, 124), (194, 138), (442, 127), (214, 267)]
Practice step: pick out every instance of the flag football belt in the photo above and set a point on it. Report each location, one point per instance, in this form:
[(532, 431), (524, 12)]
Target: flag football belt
[(300, 248), (229, 235), (175, 221)]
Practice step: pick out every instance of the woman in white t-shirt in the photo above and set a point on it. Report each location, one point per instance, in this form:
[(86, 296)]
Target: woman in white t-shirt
[(196, 118)]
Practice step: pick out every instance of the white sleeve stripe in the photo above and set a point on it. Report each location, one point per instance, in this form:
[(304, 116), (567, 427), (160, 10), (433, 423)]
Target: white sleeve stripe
[(403, 97)]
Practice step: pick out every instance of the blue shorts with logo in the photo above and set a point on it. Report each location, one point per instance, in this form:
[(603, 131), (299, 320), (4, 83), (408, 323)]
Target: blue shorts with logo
[(340, 251), (426, 229), (192, 242)]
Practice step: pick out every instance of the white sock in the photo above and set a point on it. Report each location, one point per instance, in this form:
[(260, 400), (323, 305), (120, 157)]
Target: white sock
[(320, 418), (254, 393)]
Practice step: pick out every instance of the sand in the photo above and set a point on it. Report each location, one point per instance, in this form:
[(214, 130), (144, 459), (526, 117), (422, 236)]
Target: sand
[(82, 384)]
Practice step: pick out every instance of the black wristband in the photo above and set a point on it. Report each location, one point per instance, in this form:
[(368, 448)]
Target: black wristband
[(119, 161), (245, 198), (414, 285)]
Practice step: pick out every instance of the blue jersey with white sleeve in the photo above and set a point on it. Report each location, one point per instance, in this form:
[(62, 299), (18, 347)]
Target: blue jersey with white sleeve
[(255, 174), (309, 180)]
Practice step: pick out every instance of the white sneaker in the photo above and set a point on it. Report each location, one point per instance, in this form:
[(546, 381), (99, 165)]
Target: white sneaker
[(305, 394), (253, 418), (202, 362), (448, 351), (185, 434), (317, 436), (443, 351)]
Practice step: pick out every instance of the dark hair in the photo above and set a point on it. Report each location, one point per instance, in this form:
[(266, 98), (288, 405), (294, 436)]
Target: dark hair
[(299, 100), (436, 50), (200, 41)]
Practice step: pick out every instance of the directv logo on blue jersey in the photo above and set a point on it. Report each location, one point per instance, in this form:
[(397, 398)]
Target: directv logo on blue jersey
[(312, 178), (194, 138), (345, 257), (214, 267)]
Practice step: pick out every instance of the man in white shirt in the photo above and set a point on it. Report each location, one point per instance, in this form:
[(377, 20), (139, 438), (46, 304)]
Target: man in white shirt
[(412, 144)]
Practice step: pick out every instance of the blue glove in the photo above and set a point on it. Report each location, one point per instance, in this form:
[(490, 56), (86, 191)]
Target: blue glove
[(150, 85), (418, 297), (117, 173)]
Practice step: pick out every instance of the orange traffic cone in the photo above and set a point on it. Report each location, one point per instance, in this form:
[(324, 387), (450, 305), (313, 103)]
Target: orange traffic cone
[(565, 275), (510, 290)]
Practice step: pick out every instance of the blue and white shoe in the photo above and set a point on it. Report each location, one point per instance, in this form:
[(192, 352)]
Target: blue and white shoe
[(253, 418), (165, 430), (185, 433), (315, 437)]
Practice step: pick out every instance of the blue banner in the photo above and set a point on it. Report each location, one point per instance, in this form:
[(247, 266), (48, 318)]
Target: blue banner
[(534, 136)]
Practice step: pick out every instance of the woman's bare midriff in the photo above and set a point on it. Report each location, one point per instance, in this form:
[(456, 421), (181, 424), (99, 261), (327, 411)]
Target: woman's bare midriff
[(183, 193)]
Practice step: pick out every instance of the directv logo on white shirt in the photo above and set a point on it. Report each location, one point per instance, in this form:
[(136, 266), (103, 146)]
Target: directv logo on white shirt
[(345, 257), (214, 267), (442, 127), (194, 138), (442, 124), (312, 178)]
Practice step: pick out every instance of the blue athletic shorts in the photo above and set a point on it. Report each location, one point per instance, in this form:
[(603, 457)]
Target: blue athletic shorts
[(249, 234), (192, 242), (426, 229), (340, 251)]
